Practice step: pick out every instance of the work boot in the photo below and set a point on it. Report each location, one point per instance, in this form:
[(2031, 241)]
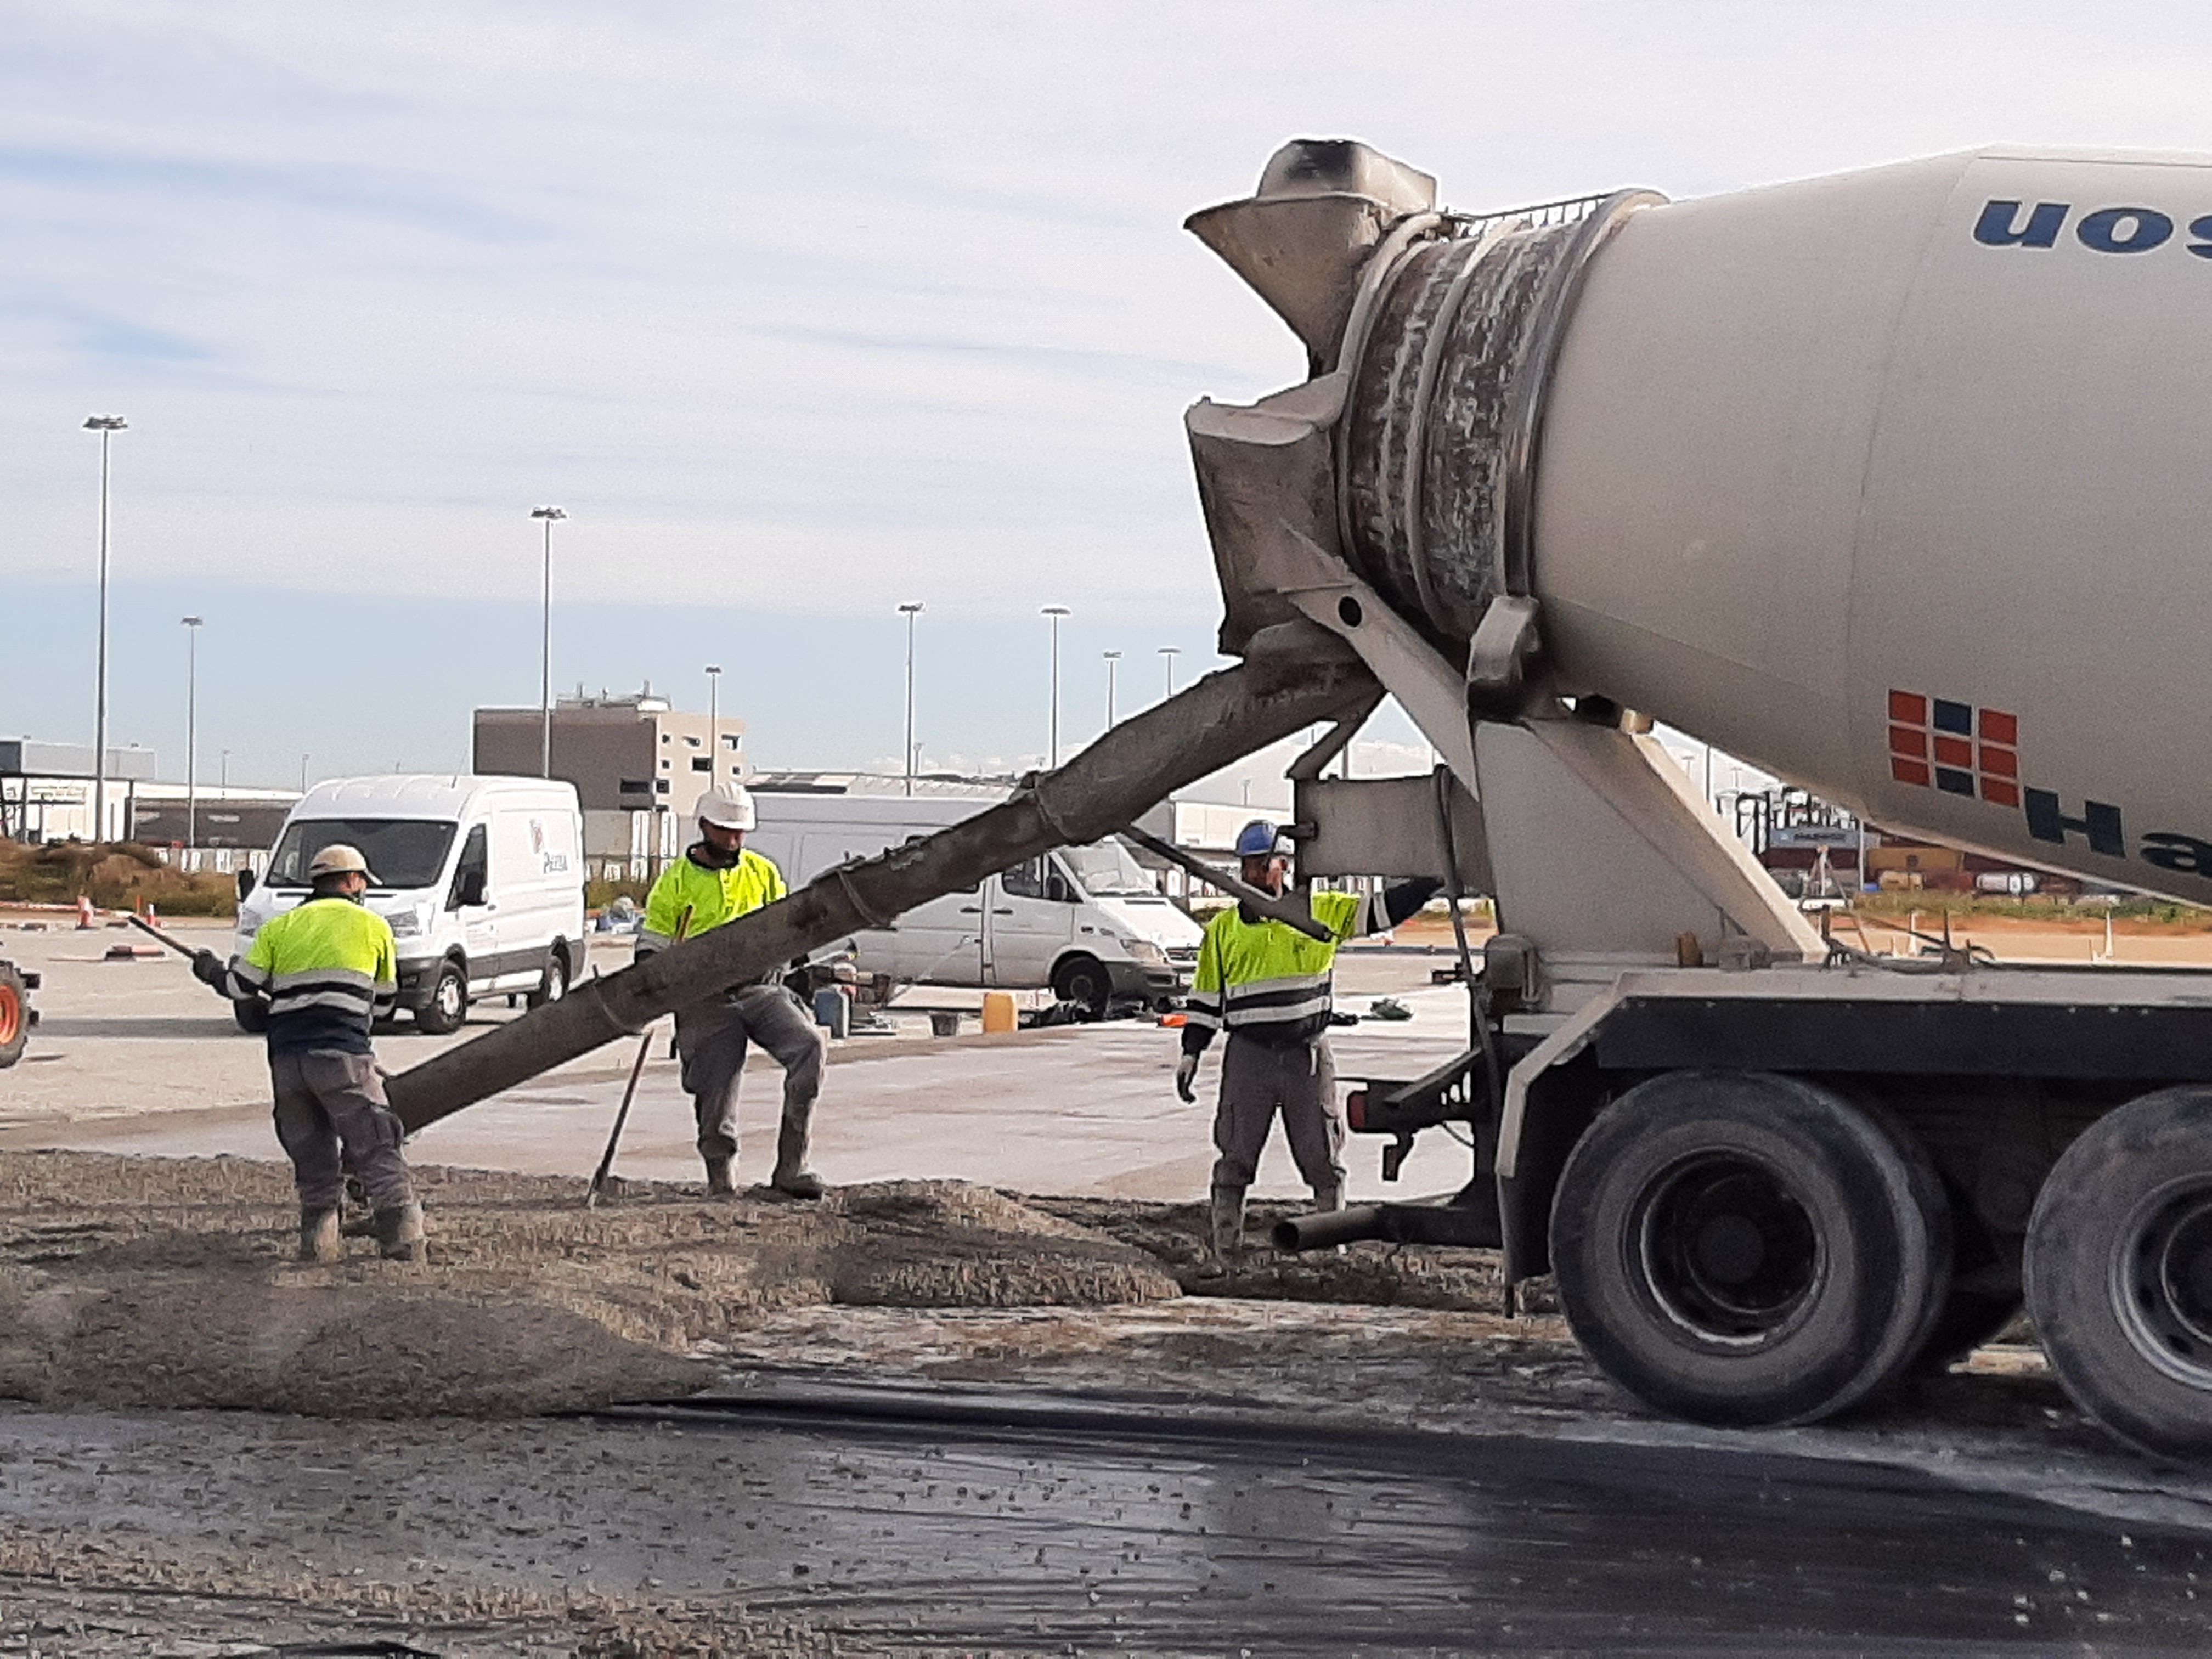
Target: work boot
[(791, 1176), (399, 1232), (719, 1181), (319, 1234), (1224, 1230)]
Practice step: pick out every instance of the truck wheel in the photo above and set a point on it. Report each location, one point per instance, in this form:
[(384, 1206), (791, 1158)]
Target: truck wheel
[(449, 1005), (1742, 1248), (252, 1016), (14, 1017), (1083, 980), (555, 984), (2119, 1271)]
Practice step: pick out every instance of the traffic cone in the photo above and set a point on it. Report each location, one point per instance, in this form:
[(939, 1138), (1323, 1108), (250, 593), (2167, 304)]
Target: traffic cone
[(84, 914)]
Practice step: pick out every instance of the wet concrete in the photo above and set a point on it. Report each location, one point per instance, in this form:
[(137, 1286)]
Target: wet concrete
[(1123, 1533)]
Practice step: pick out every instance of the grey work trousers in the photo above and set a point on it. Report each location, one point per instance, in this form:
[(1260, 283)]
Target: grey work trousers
[(332, 1115), (712, 1038), (1298, 1081)]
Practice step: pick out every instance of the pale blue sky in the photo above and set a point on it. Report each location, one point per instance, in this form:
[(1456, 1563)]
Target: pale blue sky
[(800, 311)]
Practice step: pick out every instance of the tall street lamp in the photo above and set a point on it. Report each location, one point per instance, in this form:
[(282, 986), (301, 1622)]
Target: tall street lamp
[(545, 650), (226, 773), (1113, 665), (192, 731), (107, 426), (1055, 611), (910, 610), (1169, 652), (714, 726)]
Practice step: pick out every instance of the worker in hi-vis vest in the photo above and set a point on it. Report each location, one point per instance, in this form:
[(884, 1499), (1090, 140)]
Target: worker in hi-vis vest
[(716, 881), (328, 970), (1268, 985)]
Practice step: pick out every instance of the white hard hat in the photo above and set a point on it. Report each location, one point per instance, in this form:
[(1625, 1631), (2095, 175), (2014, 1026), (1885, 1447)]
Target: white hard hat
[(728, 809), (337, 860)]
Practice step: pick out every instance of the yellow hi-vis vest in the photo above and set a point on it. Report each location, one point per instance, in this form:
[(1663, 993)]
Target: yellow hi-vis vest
[(328, 967), (714, 897), (1267, 979)]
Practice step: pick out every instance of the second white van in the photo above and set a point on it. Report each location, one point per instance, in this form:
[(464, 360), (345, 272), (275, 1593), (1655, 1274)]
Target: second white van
[(1089, 922)]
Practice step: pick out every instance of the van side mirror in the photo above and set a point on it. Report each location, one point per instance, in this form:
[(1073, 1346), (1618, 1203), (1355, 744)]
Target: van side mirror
[(246, 884), (470, 887)]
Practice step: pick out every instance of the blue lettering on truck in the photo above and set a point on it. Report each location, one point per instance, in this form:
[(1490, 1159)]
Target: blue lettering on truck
[(2013, 223)]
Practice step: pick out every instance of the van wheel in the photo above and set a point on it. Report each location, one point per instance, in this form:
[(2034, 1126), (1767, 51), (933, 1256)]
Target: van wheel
[(1082, 980), (449, 1005), (553, 986), (1745, 1248), (252, 1016)]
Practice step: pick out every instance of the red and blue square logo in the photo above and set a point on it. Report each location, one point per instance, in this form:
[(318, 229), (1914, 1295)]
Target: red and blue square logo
[(1955, 747)]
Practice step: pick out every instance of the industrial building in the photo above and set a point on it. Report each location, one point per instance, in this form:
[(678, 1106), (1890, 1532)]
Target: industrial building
[(639, 763)]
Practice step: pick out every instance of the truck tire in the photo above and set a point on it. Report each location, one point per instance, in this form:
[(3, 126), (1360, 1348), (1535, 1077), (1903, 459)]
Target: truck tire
[(2119, 1271), (14, 1016), (448, 1004), (1082, 979), (1747, 1248), (553, 984), (251, 1015)]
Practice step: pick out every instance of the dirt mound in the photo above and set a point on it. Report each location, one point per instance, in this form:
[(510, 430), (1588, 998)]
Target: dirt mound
[(167, 1283)]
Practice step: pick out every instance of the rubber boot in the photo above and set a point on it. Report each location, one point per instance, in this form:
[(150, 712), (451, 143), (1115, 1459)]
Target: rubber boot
[(1224, 1231), (399, 1232), (791, 1176), (319, 1240), (720, 1183)]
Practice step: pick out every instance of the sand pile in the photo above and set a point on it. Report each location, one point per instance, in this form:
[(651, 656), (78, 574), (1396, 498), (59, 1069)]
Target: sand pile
[(142, 1282)]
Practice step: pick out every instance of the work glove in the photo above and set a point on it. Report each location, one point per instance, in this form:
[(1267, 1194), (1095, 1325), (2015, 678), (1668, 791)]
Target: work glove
[(208, 968), (1185, 1076)]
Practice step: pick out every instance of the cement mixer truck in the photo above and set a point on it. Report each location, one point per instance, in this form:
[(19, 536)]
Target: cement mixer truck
[(1893, 483)]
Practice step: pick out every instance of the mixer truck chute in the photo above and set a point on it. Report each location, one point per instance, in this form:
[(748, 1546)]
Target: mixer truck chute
[(1891, 483)]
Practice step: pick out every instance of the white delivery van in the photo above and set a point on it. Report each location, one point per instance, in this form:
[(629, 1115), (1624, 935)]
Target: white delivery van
[(1090, 922), (482, 879)]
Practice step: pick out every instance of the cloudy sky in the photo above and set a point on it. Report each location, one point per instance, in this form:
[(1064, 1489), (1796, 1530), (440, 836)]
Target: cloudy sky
[(801, 311)]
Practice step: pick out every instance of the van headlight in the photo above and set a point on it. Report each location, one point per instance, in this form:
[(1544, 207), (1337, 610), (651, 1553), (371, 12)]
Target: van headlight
[(1143, 950), (405, 924)]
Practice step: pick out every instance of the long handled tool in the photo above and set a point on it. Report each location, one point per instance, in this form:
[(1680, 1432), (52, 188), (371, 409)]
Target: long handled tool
[(167, 939), (629, 1093)]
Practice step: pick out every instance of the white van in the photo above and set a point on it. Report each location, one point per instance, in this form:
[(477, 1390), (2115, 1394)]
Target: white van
[(482, 879), (1090, 922)]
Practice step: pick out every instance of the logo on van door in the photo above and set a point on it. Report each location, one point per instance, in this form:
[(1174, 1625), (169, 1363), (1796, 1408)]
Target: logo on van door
[(551, 863)]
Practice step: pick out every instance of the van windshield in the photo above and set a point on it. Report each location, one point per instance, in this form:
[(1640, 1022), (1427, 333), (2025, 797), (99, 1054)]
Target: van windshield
[(1107, 871), (401, 852)]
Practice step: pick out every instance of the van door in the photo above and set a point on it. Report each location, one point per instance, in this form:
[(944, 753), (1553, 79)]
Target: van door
[(1032, 922), (946, 941), (476, 907), (533, 878)]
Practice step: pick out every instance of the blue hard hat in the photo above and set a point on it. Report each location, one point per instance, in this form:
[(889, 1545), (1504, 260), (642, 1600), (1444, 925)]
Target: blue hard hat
[(1260, 838)]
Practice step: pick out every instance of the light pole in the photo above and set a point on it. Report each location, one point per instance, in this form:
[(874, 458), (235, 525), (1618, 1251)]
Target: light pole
[(107, 426), (1113, 665), (1169, 652), (714, 726), (303, 775), (192, 731), (910, 610), (1055, 611), (545, 649), (226, 773)]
